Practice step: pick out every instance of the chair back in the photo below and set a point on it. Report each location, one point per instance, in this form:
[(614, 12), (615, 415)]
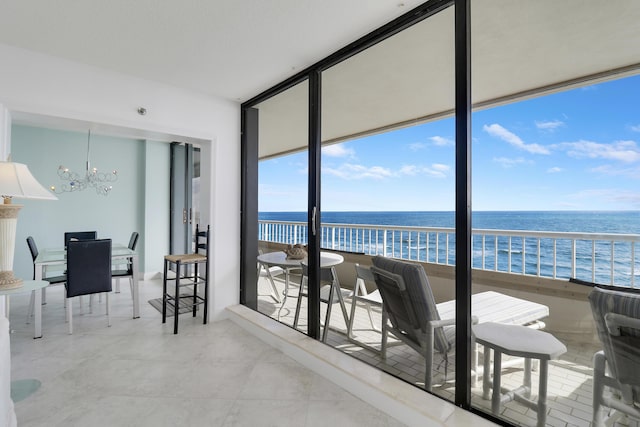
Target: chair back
[(202, 240), (32, 248), (79, 235), (88, 267), (408, 299), (326, 274), (133, 241), (617, 318), (363, 275)]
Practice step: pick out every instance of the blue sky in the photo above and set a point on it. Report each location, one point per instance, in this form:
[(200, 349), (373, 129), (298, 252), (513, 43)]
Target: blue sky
[(575, 150)]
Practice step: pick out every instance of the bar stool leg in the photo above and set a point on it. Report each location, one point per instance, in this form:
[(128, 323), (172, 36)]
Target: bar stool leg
[(176, 299), (542, 393), (164, 293)]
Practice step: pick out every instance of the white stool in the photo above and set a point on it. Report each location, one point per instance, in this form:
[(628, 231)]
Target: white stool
[(519, 341)]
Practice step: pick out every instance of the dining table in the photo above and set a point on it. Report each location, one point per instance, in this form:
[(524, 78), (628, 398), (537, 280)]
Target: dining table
[(57, 257), (281, 259)]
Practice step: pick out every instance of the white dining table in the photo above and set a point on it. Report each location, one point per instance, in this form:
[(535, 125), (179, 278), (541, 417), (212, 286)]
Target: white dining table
[(119, 252), (279, 259)]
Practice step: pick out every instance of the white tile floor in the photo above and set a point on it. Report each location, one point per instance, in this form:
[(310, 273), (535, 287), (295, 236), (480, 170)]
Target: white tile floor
[(137, 373), (570, 377)]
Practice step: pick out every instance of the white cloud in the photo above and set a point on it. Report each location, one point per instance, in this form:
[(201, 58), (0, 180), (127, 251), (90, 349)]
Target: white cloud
[(417, 146), (635, 128), (554, 169), (441, 141), (624, 151), (351, 171), (338, 150), (631, 172), (509, 163), (549, 125), (507, 136)]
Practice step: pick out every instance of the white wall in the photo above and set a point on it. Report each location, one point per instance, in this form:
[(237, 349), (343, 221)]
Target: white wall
[(35, 85)]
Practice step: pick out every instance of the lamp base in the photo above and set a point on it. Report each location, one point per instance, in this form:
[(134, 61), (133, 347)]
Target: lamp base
[(8, 281)]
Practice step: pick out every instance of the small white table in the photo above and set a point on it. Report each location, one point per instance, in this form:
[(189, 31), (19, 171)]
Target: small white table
[(519, 341), (30, 286), (279, 259), (58, 257)]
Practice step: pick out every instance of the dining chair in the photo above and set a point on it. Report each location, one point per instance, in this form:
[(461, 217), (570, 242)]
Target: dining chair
[(120, 273), (188, 275), (53, 280), (79, 235), (88, 272)]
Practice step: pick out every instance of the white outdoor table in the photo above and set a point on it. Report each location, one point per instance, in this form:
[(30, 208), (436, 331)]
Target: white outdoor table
[(30, 286), (519, 341), (119, 252), (279, 259)]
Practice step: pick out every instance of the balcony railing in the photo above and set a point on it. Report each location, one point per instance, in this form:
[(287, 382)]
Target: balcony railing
[(595, 257)]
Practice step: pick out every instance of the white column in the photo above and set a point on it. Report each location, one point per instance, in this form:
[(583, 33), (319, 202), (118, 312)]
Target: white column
[(5, 149)]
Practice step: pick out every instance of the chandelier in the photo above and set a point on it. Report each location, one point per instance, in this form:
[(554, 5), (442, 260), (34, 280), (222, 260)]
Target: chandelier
[(99, 181)]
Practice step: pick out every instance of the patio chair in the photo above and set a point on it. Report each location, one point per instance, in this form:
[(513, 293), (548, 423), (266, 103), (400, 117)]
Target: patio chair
[(330, 293), (368, 299), (410, 313), (269, 273), (617, 366)]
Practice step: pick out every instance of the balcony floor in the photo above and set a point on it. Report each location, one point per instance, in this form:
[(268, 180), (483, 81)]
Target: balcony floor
[(569, 382)]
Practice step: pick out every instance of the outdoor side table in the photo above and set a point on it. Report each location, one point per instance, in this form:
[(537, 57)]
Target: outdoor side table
[(518, 341)]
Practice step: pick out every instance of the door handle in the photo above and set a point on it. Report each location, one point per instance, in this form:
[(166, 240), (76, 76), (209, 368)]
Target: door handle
[(184, 216), (313, 221)]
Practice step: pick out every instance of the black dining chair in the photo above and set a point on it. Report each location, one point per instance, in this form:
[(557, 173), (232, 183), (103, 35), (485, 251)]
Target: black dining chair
[(120, 273), (88, 272), (79, 235), (53, 280)]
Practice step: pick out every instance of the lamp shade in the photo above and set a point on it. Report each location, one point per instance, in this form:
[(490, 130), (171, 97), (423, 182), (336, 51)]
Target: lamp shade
[(16, 181)]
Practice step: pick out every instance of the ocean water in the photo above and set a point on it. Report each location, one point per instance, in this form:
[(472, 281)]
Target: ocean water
[(497, 253)]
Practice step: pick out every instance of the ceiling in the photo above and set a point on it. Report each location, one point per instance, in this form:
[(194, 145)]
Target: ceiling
[(233, 49), (520, 49)]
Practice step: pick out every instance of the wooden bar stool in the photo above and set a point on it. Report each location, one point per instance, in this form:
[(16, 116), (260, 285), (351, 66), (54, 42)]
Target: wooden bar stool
[(192, 279)]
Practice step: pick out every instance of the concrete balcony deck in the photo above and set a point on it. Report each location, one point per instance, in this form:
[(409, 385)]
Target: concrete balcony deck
[(570, 377)]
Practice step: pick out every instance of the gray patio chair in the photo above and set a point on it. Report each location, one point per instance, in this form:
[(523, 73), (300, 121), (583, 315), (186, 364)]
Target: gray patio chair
[(617, 366), (410, 312)]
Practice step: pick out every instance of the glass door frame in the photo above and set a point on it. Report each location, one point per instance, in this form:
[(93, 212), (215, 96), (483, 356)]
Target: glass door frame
[(249, 158)]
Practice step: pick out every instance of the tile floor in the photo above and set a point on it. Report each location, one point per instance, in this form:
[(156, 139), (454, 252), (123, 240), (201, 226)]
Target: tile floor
[(137, 373), (570, 377)]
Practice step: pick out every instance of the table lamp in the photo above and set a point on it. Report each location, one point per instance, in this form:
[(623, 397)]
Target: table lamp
[(15, 181)]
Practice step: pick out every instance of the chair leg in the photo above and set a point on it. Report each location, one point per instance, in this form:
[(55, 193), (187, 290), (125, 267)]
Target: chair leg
[(176, 300), (164, 293), (303, 280), (70, 316), (354, 302), (196, 278), (206, 293), (117, 285), (599, 363), (327, 317), (108, 310)]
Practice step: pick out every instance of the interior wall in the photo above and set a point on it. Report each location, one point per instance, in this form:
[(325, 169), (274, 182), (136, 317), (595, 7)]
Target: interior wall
[(156, 207), (114, 216), (63, 92)]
